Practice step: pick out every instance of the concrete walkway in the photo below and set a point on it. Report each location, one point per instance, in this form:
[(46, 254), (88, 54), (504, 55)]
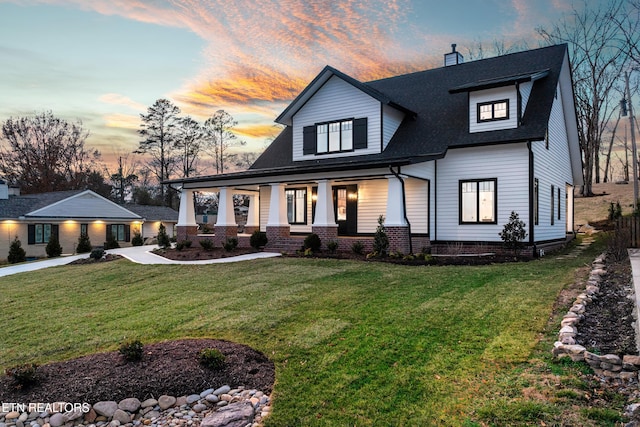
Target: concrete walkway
[(137, 254)]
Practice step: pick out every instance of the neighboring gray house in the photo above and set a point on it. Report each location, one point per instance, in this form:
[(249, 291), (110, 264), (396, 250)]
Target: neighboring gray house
[(34, 218), (445, 155)]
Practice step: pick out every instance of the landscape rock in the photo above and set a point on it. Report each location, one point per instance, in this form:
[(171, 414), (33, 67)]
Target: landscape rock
[(106, 408), (166, 402), (234, 415), (121, 416), (56, 420), (130, 405)]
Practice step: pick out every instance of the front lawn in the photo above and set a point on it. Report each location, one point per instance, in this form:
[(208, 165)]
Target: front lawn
[(354, 343)]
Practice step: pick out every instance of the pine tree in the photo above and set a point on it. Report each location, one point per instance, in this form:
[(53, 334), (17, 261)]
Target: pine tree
[(16, 253), (53, 248)]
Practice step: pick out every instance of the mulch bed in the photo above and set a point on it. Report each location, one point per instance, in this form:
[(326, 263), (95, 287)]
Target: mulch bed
[(87, 260), (170, 367), (607, 327), (197, 253)]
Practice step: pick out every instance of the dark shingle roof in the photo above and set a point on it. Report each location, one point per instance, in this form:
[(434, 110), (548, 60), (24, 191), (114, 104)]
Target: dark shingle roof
[(17, 206), (153, 213), (439, 99)]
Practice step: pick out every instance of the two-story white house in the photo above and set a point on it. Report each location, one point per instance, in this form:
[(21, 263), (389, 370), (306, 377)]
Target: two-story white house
[(445, 155)]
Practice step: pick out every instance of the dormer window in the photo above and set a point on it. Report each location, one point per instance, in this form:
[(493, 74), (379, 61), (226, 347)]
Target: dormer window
[(494, 110), (335, 137)]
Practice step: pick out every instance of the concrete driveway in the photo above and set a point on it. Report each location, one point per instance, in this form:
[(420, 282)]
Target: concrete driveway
[(137, 254)]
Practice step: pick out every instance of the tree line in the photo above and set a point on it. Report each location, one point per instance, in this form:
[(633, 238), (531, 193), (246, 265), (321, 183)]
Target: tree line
[(44, 153)]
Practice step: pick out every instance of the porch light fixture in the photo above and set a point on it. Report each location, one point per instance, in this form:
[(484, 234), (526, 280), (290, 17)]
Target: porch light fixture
[(353, 196), (314, 197)]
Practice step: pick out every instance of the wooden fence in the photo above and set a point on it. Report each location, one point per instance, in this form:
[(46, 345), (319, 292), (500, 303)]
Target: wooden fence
[(629, 225)]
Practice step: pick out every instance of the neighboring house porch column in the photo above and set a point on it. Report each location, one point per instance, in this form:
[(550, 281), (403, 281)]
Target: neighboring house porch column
[(395, 222), (278, 224), (253, 216), (324, 223), (187, 227), (226, 225)]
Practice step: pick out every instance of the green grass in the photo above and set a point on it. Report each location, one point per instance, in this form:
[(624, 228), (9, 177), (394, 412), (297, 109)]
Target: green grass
[(353, 343)]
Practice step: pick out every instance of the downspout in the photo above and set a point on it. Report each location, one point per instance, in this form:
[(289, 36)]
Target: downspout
[(531, 196), (404, 204)]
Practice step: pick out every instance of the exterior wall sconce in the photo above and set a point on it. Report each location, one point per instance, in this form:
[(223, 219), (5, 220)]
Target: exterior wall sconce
[(353, 196)]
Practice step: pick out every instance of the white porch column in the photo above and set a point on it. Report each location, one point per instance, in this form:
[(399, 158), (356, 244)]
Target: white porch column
[(226, 215), (253, 216), (278, 207), (395, 204), (325, 215), (187, 213)]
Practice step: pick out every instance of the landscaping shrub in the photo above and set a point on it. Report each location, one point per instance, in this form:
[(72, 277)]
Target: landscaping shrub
[(16, 253), (137, 240), (183, 244), (357, 247), (380, 239), (615, 211), (513, 233), (617, 243), (258, 239), (53, 248), (332, 246), (163, 238), (313, 242), (23, 375), (206, 244), (111, 242), (84, 244), (97, 254), (212, 358), (131, 351), (230, 244)]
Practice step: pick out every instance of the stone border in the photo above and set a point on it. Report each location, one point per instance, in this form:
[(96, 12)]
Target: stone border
[(609, 366), (211, 408)]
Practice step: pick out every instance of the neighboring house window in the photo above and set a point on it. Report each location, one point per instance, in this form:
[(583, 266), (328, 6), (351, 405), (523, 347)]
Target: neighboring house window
[(494, 110), (120, 232), (552, 208), (84, 229), (335, 137), (559, 210), (478, 201), (296, 205), (536, 201), (41, 233)]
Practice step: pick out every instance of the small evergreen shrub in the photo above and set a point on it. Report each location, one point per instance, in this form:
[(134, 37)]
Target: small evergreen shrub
[(230, 244), (16, 253), (258, 239), (111, 242), (183, 244), (97, 254), (53, 248), (615, 211), (163, 238), (137, 240), (84, 244), (23, 375), (357, 247), (513, 233), (211, 358), (380, 239), (313, 242), (206, 244), (131, 351), (332, 246)]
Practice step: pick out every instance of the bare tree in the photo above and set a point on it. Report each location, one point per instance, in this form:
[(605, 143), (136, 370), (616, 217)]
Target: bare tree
[(189, 144), (498, 47), (124, 179), (159, 129), (220, 137), (598, 54), (45, 153)]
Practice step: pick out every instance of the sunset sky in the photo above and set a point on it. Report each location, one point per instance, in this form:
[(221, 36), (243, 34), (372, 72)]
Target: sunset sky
[(106, 61)]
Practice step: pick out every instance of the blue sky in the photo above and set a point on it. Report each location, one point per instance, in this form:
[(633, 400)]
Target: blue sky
[(106, 61)]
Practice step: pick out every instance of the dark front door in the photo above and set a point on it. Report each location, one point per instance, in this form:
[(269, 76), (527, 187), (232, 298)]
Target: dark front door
[(345, 202)]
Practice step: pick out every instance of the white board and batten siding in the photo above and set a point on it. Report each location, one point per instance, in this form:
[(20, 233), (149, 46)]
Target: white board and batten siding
[(489, 95), (337, 100), (553, 167), (525, 93), (508, 164)]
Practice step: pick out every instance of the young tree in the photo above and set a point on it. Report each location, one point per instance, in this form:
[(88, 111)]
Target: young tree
[(189, 144), (513, 233), (16, 252), (220, 137), (159, 129), (123, 180), (44, 153)]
